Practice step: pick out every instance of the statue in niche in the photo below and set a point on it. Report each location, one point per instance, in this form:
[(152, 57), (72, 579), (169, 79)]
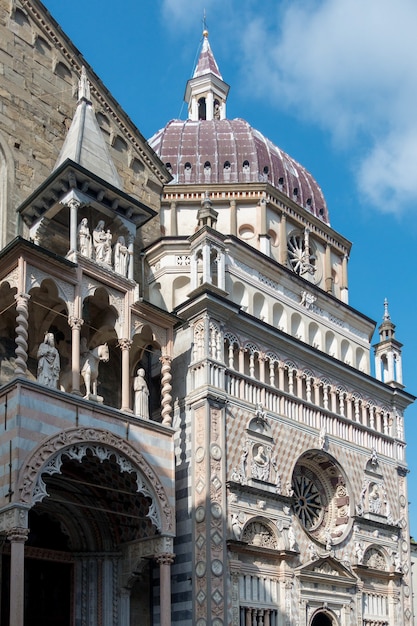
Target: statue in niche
[(141, 395), (48, 362), (101, 243), (375, 500), (84, 238), (260, 463), (121, 256)]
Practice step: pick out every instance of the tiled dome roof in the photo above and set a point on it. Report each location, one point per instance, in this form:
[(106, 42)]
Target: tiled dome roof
[(231, 151)]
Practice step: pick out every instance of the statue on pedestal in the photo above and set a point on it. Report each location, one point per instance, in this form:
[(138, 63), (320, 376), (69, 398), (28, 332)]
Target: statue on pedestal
[(48, 362)]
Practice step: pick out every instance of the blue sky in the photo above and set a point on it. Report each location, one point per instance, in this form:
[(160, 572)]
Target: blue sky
[(331, 82)]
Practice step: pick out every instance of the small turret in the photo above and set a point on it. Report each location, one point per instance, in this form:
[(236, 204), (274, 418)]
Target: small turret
[(388, 363)]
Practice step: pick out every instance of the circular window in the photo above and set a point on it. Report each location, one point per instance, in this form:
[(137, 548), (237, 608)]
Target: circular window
[(246, 231), (321, 497), (300, 261), (297, 257)]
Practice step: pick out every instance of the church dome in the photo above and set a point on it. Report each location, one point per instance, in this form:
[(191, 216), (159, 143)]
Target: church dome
[(231, 151)]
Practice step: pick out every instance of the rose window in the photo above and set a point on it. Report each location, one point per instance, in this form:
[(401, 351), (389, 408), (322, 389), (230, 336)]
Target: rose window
[(301, 258), (308, 505), (321, 497)]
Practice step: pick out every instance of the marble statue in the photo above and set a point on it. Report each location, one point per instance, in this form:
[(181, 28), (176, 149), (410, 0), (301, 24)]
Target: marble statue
[(121, 256), (141, 395), (48, 362), (84, 238), (101, 243)]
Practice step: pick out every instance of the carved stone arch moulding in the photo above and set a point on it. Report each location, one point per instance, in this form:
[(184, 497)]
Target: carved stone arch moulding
[(74, 444), (375, 558), (12, 278), (323, 610), (259, 532), (35, 278)]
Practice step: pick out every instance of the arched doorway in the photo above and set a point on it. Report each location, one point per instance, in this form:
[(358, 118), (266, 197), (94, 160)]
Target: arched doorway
[(90, 501), (322, 619)]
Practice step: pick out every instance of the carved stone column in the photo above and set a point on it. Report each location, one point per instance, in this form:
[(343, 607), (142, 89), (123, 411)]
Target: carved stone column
[(75, 324), (165, 561), (22, 324), (130, 268), (283, 240), (124, 345), (73, 207), (166, 388), (328, 279), (17, 538)]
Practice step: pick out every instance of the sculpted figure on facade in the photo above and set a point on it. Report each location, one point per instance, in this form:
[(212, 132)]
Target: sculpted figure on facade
[(260, 463), (107, 258), (101, 243), (141, 395), (121, 256), (292, 544), (375, 500), (48, 362), (89, 366), (84, 239), (360, 552)]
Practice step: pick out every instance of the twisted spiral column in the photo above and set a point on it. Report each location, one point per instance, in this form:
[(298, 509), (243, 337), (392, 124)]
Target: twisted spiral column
[(21, 350), (166, 388)]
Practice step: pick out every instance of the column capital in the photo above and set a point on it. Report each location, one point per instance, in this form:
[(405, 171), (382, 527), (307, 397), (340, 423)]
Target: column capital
[(22, 297), (165, 358), (166, 558), (73, 203), (125, 344), (18, 535), (75, 322)]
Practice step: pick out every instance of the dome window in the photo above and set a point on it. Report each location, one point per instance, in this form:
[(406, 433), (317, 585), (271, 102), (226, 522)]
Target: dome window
[(227, 166), (202, 112), (207, 165), (321, 212), (281, 182), (309, 202), (295, 192), (168, 166), (187, 167), (246, 231), (246, 166), (266, 170)]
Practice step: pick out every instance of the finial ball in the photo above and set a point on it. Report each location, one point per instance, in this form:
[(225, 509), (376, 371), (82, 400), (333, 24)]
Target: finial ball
[(205, 32)]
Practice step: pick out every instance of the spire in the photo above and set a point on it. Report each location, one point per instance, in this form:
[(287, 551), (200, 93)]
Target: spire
[(386, 313), (84, 143), (206, 92), (206, 63)]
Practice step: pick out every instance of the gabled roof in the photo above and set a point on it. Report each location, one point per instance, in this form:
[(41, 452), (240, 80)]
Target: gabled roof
[(327, 567), (84, 143)]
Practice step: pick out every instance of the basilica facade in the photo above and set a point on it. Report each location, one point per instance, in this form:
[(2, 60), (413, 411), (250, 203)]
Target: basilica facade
[(192, 432)]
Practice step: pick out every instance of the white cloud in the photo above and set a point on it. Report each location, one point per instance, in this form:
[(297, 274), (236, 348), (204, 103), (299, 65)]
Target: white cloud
[(185, 14), (349, 66)]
